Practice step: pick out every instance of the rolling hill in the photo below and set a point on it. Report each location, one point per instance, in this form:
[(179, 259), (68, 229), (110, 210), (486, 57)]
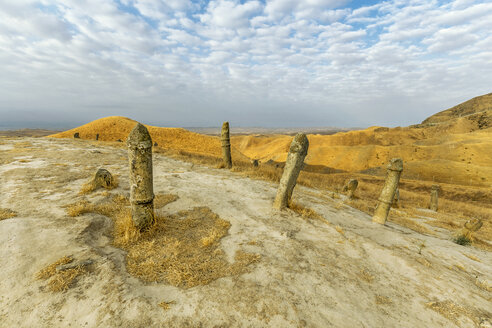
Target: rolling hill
[(453, 146)]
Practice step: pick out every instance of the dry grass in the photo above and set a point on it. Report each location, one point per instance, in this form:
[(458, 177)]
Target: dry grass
[(50, 270), (424, 261), (60, 280), (383, 300), (181, 249), (340, 230), (453, 311), (366, 276), (306, 213), (484, 285), (162, 200), (23, 145), (184, 250), (166, 305), (410, 224), (472, 257), (5, 213)]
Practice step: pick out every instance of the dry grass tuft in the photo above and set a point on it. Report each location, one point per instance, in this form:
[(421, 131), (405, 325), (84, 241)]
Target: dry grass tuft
[(50, 270), (5, 213), (182, 249), (305, 212), (162, 200), (340, 230), (366, 276), (472, 257), (60, 280), (484, 284), (424, 261), (166, 305), (79, 208), (453, 311), (410, 224), (383, 300), (63, 280), (460, 267)]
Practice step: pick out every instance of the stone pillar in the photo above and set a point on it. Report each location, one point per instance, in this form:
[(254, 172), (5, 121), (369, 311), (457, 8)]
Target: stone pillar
[(141, 180), (434, 197), (388, 193), (293, 165), (469, 228), (396, 199), (226, 145), (351, 187)]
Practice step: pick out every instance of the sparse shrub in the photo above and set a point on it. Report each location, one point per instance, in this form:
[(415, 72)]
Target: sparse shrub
[(462, 240)]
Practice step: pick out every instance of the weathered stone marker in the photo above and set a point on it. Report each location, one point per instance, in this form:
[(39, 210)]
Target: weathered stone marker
[(434, 197), (350, 187), (388, 193), (226, 145), (470, 227), (103, 178), (76, 135), (141, 180), (293, 165)]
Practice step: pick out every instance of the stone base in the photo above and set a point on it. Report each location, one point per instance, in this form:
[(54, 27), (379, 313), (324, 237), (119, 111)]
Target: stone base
[(143, 215)]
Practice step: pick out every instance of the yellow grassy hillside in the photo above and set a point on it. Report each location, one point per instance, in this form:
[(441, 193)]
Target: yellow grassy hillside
[(476, 105), (453, 146), (116, 128)]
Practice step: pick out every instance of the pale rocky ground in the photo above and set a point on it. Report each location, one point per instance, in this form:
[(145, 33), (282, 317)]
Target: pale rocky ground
[(345, 272)]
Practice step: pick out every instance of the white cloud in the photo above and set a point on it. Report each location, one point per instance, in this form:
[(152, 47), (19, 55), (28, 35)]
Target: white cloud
[(187, 61), (229, 14)]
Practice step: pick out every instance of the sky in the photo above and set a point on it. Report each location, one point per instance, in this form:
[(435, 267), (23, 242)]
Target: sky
[(262, 63)]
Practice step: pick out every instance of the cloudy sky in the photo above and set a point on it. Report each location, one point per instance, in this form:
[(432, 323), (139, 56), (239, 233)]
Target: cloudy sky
[(255, 63)]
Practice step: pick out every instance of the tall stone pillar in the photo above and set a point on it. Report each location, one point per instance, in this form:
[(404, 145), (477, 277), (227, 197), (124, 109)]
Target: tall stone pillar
[(293, 165), (226, 145), (141, 179), (388, 193), (396, 199), (434, 197)]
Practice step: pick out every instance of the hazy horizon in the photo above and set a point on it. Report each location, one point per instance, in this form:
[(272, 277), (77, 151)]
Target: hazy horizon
[(267, 63), (62, 127)]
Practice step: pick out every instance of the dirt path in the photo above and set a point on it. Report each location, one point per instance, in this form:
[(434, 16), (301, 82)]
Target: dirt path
[(341, 272)]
